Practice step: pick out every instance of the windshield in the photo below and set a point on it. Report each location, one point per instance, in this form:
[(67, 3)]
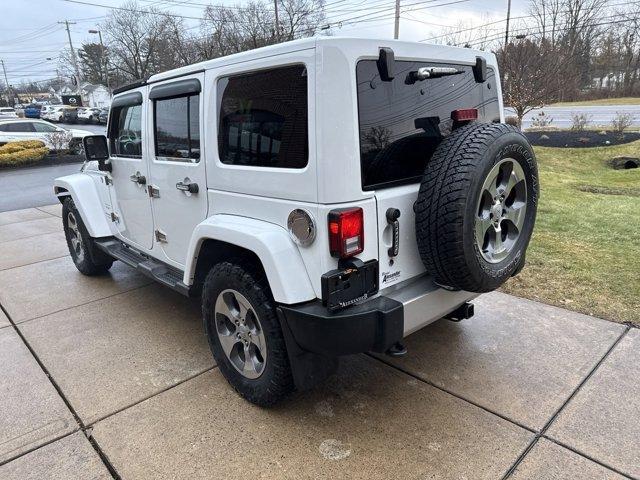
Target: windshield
[(402, 123)]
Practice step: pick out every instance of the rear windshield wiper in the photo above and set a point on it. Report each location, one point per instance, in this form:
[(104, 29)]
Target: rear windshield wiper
[(430, 72)]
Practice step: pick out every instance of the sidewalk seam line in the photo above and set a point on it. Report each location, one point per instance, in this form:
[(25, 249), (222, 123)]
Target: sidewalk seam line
[(66, 401), (38, 447), (588, 457), (33, 263), (22, 322), (575, 391), (453, 394), (159, 392)]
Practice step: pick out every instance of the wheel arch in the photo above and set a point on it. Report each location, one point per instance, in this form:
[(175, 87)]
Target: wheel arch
[(265, 245), (82, 189)]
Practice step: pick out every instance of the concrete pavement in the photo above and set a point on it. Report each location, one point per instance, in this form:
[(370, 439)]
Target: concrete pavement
[(111, 377)]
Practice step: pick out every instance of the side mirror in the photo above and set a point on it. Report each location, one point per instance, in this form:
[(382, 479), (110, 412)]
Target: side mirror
[(96, 148)]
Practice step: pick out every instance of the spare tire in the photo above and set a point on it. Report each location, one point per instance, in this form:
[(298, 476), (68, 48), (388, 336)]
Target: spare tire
[(477, 207)]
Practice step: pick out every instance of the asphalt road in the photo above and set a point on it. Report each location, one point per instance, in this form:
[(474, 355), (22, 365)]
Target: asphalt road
[(31, 187), (599, 115)]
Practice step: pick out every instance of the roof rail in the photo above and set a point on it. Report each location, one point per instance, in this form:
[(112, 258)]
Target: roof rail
[(129, 86)]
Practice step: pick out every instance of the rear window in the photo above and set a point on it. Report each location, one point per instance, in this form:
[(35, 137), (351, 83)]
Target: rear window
[(263, 118), (402, 124)]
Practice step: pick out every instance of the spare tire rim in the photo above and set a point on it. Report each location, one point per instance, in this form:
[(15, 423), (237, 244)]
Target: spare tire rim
[(240, 333), (502, 206)]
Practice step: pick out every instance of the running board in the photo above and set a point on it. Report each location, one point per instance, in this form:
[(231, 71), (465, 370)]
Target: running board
[(150, 267)]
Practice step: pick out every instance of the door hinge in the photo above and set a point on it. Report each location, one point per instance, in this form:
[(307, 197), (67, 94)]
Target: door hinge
[(114, 218), (108, 181), (154, 192), (161, 237)]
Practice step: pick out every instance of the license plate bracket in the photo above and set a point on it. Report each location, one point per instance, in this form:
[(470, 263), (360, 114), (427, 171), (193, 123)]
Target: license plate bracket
[(353, 282)]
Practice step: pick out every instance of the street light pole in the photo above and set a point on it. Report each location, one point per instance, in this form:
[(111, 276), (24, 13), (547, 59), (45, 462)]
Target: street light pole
[(396, 29), (103, 60)]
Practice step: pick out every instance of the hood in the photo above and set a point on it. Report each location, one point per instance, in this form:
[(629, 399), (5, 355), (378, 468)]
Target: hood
[(80, 133)]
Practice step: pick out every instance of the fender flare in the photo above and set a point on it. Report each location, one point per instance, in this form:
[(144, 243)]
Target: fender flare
[(281, 260), (82, 189)]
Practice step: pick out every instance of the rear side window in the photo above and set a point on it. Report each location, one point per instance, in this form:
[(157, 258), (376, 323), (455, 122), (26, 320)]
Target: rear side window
[(177, 127), (401, 124), (126, 131), (18, 127), (263, 118), (44, 128)]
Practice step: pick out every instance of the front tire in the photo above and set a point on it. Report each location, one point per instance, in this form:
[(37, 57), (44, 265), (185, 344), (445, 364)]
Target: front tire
[(244, 333), (85, 255)]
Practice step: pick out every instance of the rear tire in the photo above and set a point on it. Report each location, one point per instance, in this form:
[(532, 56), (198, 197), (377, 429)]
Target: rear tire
[(244, 333), (88, 259)]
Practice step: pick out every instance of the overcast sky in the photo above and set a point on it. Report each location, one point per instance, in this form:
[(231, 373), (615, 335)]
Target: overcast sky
[(29, 32)]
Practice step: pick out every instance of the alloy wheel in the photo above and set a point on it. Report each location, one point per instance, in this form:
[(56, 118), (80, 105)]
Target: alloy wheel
[(240, 333), (502, 206), (74, 236)]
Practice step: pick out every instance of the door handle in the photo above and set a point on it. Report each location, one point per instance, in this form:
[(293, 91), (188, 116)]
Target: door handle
[(139, 179), (187, 187)]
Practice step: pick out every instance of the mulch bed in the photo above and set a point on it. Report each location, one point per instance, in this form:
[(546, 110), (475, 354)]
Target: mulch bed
[(571, 139)]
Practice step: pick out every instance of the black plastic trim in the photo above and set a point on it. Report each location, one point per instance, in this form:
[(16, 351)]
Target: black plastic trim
[(133, 98), (175, 89), (374, 325)]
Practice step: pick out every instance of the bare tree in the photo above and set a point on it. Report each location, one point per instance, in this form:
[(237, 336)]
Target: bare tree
[(533, 72), (134, 38)]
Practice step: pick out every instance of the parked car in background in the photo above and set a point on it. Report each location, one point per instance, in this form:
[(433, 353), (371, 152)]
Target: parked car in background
[(8, 112), (104, 115), (12, 130), (32, 111), (44, 111), (70, 115), (88, 115), (19, 108)]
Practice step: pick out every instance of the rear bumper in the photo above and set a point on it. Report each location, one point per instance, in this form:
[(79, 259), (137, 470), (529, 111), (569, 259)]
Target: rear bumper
[(374, 325)]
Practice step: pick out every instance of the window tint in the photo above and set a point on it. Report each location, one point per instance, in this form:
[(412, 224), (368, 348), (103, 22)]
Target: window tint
[(401, 124), (44, 128), (263, 118), (125, 131), (18, 127), (177, 127)]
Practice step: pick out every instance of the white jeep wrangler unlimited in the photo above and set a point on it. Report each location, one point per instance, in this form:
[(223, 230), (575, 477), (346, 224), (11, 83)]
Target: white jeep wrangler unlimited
[(324, 197)]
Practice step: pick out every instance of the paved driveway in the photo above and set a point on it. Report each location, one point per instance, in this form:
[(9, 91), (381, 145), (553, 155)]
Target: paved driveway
[(112, 377)]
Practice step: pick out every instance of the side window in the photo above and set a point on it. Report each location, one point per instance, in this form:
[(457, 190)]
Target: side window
[(263, 118), (125, 132), (177, 127), (20, 127), (43, 127)]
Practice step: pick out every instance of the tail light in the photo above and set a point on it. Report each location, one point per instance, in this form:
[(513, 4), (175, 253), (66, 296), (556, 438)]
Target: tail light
[(464, 115), (346, 232)]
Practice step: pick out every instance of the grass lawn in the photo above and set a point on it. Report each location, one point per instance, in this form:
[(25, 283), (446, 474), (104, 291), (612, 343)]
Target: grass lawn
[(602, 101), (585, 250)]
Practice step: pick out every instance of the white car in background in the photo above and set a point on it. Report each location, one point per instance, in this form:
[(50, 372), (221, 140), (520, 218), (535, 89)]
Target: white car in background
[(88, 114), (19, 129), (7, 112), (55, 113)]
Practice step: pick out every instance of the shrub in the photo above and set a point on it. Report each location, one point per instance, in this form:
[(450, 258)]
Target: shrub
[(621, 122), (512, 120), (541, 120), (22, 153), (579, 121), (12, 147), (59, 141)]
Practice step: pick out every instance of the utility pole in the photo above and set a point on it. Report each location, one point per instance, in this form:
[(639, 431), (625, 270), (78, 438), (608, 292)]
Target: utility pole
[(396, 30), (275, 6), (6, 81), (506, 35), (73, 53)]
